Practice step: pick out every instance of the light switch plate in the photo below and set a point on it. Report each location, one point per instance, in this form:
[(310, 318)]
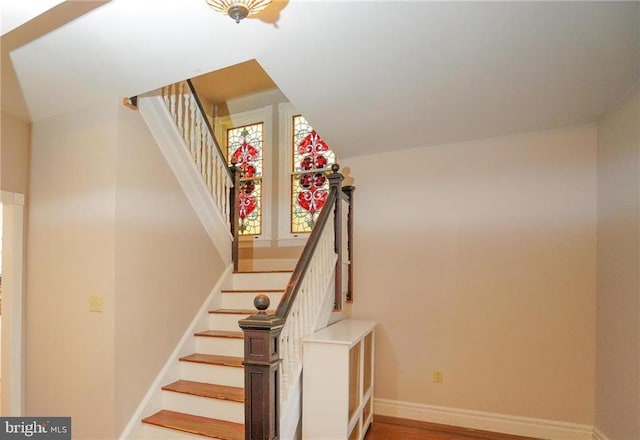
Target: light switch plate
[(95, 303)]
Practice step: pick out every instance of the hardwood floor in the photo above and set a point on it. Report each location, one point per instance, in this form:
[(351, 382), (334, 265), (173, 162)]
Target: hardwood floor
[(391, 428)]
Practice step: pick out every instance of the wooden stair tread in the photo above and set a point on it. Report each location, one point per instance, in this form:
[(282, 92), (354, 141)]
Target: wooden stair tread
[(239, 311), (213, 428), (210, 390), (213, 359), (221, 334), (252, 290)]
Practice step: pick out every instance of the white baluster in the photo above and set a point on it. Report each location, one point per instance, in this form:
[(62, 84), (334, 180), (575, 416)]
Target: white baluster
[(207, 159), (224, 181), (199, 149), (218, 184), (203, 140), (193, 111), (194, 147), (215, 176), (180, 108), (165, 95), (172, 101)]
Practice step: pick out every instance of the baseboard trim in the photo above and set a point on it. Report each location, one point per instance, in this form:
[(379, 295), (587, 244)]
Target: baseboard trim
[(501, 423), (599, 435)]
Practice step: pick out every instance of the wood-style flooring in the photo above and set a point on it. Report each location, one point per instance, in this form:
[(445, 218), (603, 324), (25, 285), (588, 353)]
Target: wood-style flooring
[(390, 428)]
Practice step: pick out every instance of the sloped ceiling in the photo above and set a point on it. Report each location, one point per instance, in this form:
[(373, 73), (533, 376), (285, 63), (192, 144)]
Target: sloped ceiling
[(15, 14), (370, 76), (221, 86)]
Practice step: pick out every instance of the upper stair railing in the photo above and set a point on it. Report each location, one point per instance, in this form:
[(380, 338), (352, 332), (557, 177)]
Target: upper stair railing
[(273, 356), (190, 118)]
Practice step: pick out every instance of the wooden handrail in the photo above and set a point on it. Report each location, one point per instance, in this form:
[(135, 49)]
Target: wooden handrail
[(234, 215), (208, 124)]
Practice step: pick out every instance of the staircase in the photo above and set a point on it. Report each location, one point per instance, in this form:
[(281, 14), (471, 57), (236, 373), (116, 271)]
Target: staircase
[(204, 395), (208, 399)]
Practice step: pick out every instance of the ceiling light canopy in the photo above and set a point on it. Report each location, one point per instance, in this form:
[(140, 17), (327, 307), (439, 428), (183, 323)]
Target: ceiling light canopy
[(238, 9)]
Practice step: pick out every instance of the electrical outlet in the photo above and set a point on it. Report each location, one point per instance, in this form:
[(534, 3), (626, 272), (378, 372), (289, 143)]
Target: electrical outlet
[(438, 376), (95, 303)]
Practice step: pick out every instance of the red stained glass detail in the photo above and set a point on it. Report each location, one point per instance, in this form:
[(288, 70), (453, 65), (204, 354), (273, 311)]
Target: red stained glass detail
[(246, 202), (312, 158), (312, 147), (312, 198), (243, 156)]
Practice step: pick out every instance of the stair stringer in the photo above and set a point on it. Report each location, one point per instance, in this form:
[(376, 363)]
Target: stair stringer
[(170, 372), (155, 113), (291, 410)]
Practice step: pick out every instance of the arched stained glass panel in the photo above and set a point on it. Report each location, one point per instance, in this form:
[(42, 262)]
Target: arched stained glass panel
[(312, 159)]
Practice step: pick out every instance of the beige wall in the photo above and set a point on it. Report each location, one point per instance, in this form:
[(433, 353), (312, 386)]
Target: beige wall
[(478, 259), (165, 263), (107, 218), (618, 317), (15, 145), (70, 255)]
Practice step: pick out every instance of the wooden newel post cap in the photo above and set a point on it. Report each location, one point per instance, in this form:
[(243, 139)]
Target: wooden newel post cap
[(335, 178), (261, 302)]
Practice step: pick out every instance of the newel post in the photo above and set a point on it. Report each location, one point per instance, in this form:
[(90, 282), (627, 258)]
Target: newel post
[(261, 367), (349, 190), (233, 213), (335, 181)]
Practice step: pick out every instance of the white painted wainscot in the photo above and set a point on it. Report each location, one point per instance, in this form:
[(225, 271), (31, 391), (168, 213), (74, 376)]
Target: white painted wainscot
[(337, 401)]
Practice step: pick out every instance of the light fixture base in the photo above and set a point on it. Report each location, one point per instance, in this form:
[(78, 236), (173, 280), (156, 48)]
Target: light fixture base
[(238, 9), (238, 12)]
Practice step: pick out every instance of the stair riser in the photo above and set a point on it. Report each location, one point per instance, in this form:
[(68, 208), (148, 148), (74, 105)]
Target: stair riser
[(158, 433), (220, 346), (244, 300), (218, 374), (223, 321), (252, 281), (203, 406)]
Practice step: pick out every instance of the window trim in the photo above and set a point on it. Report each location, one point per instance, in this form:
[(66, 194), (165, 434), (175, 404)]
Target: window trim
[(286, 112)]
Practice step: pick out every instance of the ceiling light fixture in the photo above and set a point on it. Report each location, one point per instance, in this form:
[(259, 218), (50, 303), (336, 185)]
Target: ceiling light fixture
[(238, 9)]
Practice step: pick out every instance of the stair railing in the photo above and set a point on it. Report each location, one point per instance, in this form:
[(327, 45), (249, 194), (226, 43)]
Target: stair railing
[(272, 353), (186, 109)]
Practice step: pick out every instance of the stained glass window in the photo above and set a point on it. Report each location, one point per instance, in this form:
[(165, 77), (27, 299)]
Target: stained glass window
[(244, 147), (312, 159)]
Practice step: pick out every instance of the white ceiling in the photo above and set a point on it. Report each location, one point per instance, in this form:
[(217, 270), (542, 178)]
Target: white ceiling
[(371, 76), (16, 13)]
